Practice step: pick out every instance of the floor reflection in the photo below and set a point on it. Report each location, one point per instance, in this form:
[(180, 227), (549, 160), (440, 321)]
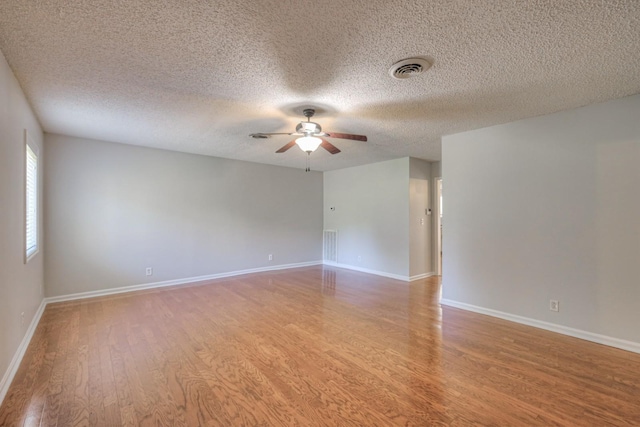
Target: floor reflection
[(328, 282)]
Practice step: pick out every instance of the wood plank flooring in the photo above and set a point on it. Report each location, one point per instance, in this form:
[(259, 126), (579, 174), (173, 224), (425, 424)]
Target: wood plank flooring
[(314, 346)]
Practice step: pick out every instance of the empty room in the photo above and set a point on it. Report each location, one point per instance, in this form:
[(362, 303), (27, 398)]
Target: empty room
[(319, 213)]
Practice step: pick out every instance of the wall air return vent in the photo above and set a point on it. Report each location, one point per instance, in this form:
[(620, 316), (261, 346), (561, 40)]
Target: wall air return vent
[(330, 246), (410, 67)]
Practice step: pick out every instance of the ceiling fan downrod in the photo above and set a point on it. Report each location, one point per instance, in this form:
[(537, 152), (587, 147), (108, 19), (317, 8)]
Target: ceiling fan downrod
[(308, 113)]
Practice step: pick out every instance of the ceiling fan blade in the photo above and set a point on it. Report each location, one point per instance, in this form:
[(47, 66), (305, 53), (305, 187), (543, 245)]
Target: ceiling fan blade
[(329, 146), (286, 146), (261, 134), (346, 136)]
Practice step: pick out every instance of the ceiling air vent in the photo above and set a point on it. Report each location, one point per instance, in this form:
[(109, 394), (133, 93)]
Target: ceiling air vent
[(409, 67)]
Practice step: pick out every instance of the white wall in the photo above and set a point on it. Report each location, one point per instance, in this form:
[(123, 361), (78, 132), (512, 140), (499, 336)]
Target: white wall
[(548, 208), (420, 223), (436, 169), (371, 215), (112, 210), (21, 285)]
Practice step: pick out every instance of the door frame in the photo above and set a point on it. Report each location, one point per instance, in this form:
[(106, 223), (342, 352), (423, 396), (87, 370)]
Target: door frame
[(438, 225)]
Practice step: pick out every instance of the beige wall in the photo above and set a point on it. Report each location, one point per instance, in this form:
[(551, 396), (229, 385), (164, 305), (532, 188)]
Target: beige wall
[(21, 285)]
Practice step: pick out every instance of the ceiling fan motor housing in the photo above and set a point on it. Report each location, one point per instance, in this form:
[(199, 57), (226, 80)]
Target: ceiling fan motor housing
[(308, 128)]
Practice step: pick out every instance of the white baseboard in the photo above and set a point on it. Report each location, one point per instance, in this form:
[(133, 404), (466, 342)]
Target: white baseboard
[(421, 276), (565, 330), (381, 273), (132, 288), (12, 369), (366, 270)]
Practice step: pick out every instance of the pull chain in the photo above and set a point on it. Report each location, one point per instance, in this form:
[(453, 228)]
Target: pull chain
[(308, 161)]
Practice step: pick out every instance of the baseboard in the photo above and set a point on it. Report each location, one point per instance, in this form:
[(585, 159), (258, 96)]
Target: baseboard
[(133, 288), (366, 270), (565, 330), (381, 273), (421, 276), (12, 369)]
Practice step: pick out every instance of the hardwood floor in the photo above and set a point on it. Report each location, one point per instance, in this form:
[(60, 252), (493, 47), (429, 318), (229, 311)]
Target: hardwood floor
[(309, 347)]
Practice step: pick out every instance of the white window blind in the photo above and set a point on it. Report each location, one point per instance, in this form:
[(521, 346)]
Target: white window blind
[(31, 197)]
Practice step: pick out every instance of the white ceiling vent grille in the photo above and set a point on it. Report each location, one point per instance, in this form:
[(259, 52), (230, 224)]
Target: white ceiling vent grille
[(410, 67)]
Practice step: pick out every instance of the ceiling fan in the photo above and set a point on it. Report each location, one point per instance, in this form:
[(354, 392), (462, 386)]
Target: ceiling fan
[(311, 134)]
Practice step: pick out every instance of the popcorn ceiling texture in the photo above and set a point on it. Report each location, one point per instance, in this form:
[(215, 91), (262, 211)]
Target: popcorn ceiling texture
[(199, 76)]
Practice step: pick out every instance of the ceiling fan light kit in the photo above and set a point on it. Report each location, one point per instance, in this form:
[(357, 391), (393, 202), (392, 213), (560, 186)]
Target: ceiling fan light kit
[(308, 144)]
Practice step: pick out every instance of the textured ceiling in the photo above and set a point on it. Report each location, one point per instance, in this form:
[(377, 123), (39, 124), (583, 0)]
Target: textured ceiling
[(199, 76)]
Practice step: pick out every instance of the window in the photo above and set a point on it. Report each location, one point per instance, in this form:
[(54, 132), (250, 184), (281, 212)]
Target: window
[(31, 199)]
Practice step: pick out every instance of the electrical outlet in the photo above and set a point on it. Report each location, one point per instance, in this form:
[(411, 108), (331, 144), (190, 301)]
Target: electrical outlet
[(359, 258), (22, 318), (270, 257), (149, 271), (554, 305)]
